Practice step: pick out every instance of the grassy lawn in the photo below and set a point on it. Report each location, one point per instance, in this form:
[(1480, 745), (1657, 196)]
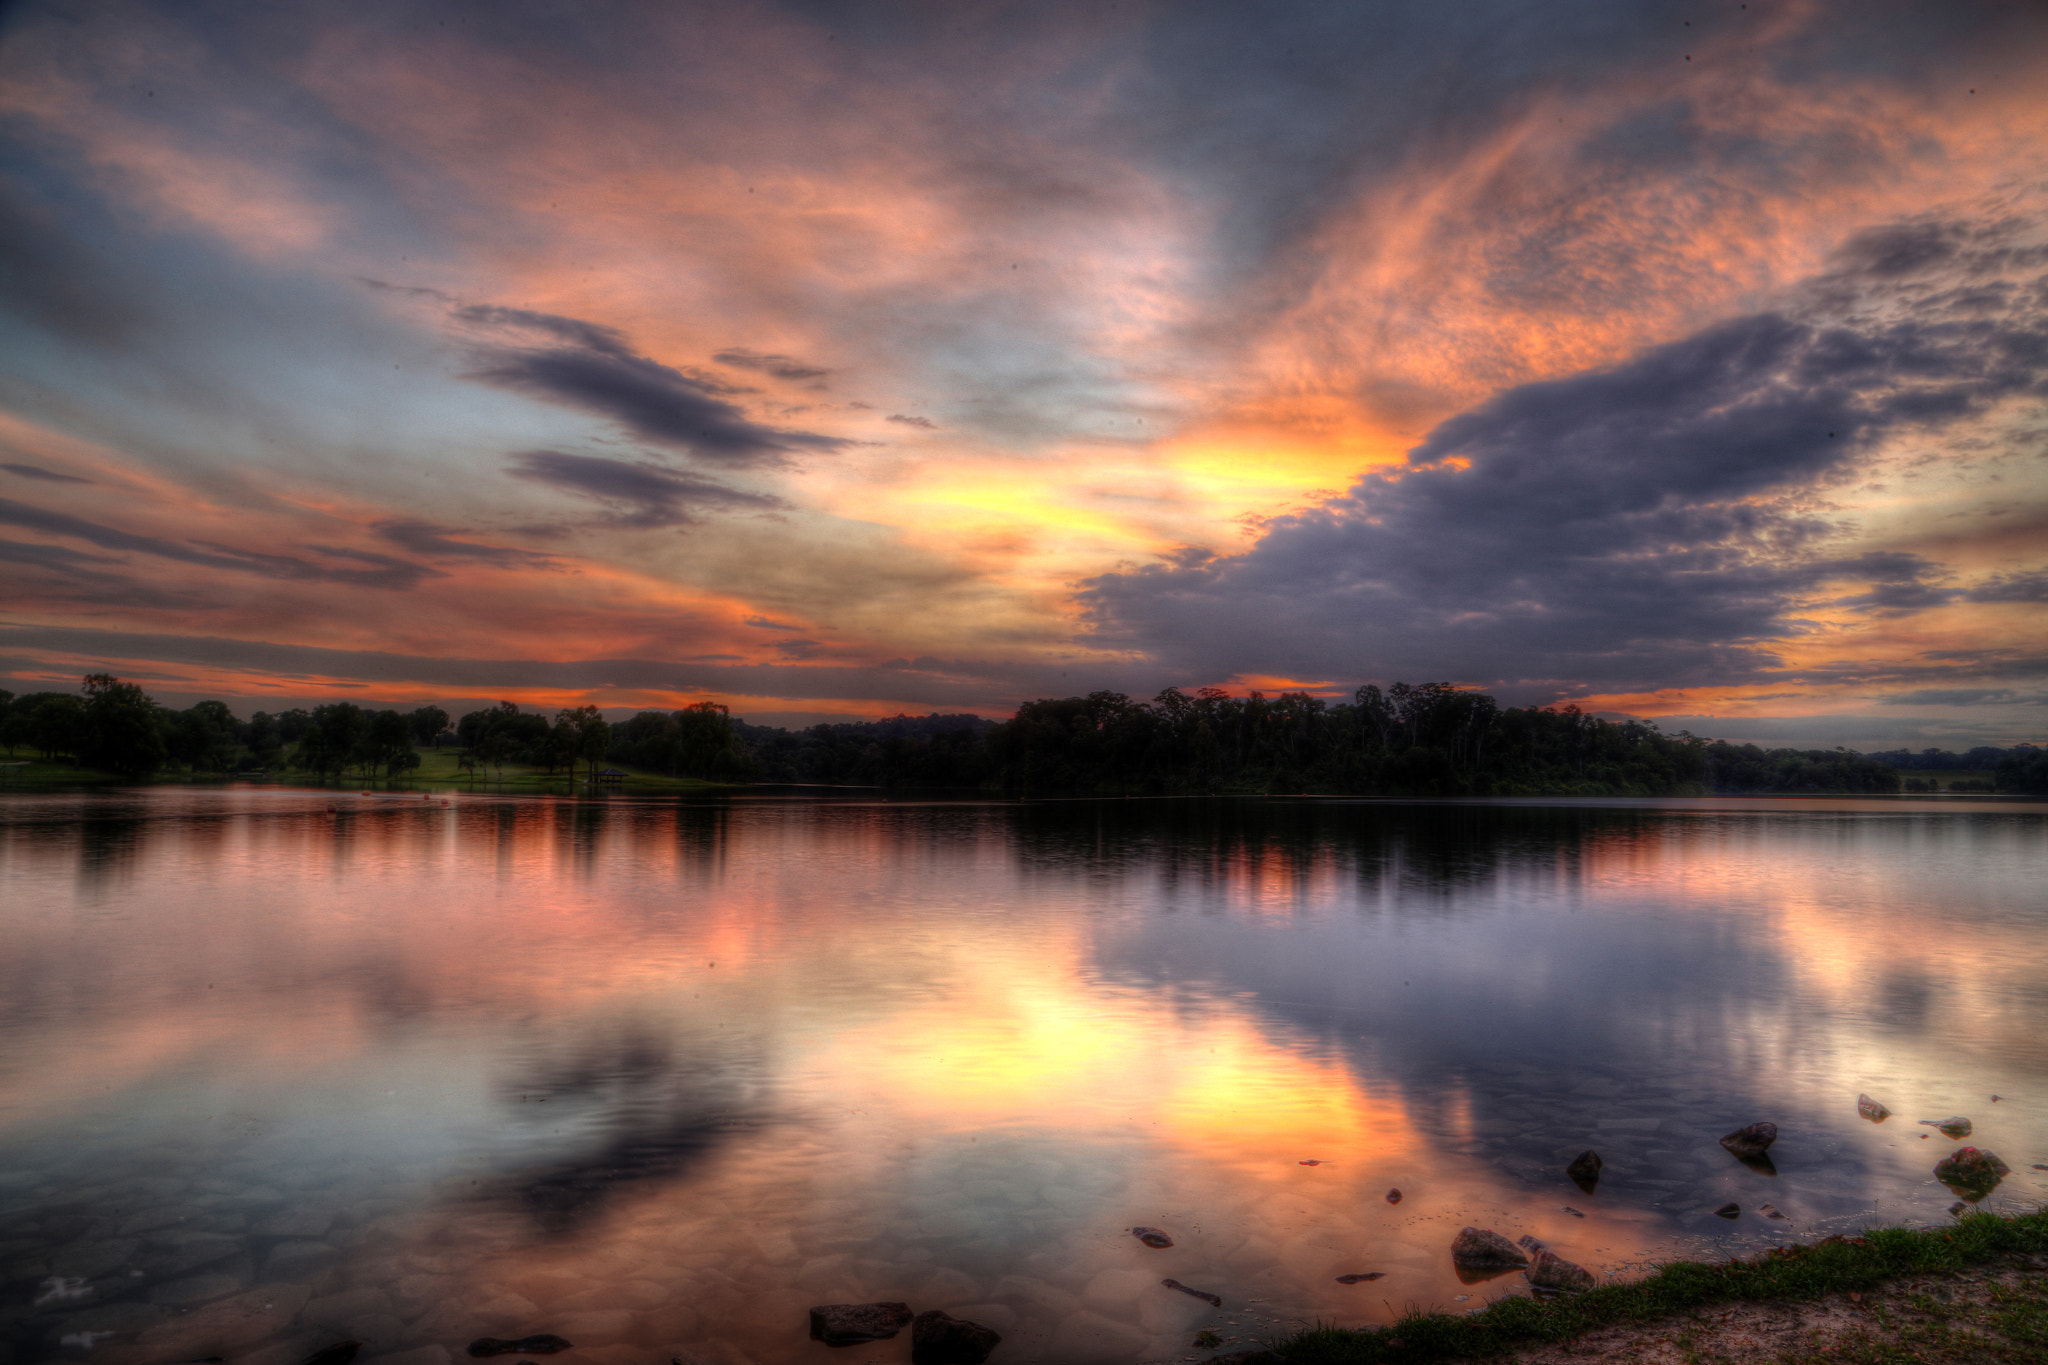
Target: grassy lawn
[(1999, 1325), (438, 771), (19, 774), (1943, 777)]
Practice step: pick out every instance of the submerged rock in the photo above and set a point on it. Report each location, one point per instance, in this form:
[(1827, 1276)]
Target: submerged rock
[(843, 1324), (1361, 1279), (1957, 1207), (1729, 1211), (1572, 1211), (545, 1344), (340, 1353), (1585, 1167), (1211, 1299), (938, 1338), (1530, 1244), (1554, 1274), (1485, 1249), (1393, 1196), (1769, 1211), (1970, 1172), (1751, 1142), (1869, 1108), (1956, 1126), (1152, 1237)]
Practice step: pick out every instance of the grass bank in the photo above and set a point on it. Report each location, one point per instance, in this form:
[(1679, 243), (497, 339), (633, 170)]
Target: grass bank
[(1837, 1266), (439, 771)]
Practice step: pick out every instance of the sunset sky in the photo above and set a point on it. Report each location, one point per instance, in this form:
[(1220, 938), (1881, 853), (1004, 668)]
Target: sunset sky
[(842, 359)]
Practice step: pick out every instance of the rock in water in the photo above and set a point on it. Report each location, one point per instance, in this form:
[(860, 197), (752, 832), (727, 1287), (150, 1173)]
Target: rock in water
[(1530, 1244), (1572, 1211), (1152, 1237), (1393, 1196), (340, 1353), (1361, 1279), (1956, 1126), (1968, 1171), (938, 1338), (1769, 1211), (1751, 1142), (1957, 1207), (1485, 1249), (1556, 1275), (1585, 1168), (546, 1344), (1871, 1109), (843, 1324), (1208, 1298), (1729, 1211)]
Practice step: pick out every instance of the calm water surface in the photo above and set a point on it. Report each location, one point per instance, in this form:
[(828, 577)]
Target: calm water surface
[(658, 1077)]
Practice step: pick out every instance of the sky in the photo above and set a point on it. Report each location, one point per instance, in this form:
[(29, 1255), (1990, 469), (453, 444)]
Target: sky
[(835, 360)]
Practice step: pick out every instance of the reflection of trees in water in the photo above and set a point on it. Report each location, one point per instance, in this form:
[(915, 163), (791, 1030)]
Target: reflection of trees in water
[(109, 849), (656, 1104), (1409, 848)]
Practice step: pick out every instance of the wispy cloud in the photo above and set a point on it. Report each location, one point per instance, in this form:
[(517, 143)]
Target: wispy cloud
[(30, 471), (371, 570), (639, 494), (592, 367), (427, 539), (780, 366)]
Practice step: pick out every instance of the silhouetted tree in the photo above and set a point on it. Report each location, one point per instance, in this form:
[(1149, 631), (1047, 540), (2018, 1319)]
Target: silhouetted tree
[(387, 743), (265, 740), (428, 724), (330, 745), (118, 728)]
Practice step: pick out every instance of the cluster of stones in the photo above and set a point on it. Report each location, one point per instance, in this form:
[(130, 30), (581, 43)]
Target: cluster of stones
[(1483, 1253), (936, 1337)]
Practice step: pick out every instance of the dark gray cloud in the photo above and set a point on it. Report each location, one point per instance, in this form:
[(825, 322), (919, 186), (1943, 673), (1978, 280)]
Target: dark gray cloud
[(910, 420), (376, 571), (1653, 524), (33, 471), (640, 494), (49, 556), (590, 367), (426, 538), (765, 623), (1959, 696), (1900, 583), (781, 366), (2027, 586)]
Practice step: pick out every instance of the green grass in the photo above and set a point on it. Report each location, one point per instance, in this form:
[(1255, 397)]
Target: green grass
[(1942, 777), (1834, 1266), (35, 775), (438, 771)]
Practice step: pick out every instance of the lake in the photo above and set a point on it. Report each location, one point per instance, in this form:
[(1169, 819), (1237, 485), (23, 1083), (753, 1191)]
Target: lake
[(660, 1076)]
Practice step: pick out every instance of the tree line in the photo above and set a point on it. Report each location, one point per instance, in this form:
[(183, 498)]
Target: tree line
[(1427, 739), (115, 727)]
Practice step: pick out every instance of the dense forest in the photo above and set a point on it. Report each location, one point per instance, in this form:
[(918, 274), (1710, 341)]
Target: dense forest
[(1429, 739)]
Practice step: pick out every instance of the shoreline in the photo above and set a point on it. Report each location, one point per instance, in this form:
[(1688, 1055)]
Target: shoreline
[(1871, 1298)]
